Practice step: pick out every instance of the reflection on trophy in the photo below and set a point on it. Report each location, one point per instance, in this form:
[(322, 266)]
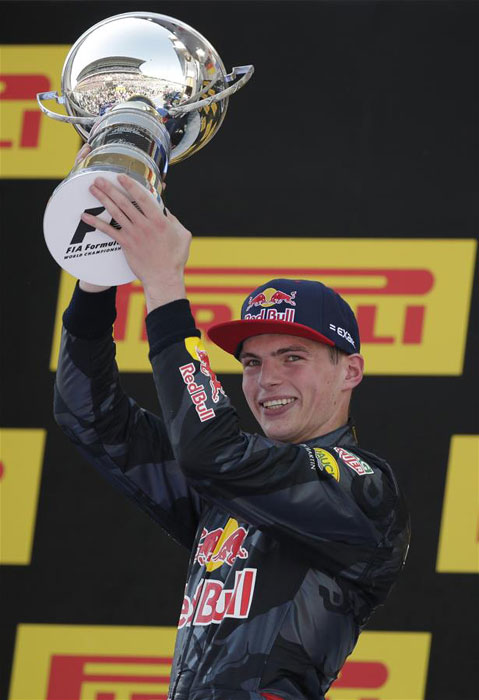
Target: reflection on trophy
[(144, 90)]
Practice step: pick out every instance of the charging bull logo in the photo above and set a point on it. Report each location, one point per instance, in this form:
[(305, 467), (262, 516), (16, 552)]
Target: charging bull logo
[(270, 297), (205, 368), (221, 546), (266, 301)]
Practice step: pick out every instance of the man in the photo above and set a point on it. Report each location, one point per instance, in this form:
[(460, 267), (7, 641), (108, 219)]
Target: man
[(296, 536)]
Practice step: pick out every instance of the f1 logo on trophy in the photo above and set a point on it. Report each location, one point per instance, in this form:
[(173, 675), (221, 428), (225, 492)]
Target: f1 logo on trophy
[(144, 90)]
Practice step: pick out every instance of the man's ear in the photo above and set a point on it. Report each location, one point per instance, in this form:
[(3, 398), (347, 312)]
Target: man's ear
[(354, 370)]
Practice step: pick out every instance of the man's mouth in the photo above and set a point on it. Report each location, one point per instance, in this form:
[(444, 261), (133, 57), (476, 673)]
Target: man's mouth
[(276, 404)]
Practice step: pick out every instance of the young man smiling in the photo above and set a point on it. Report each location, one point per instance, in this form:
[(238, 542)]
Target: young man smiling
[(295, 536), (297, 390)]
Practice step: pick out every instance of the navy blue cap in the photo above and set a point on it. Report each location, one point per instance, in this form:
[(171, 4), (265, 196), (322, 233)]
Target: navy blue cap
[(305, 308)]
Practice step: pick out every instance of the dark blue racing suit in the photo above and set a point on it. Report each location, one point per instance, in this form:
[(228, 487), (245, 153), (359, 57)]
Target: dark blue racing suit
[(292, 546)]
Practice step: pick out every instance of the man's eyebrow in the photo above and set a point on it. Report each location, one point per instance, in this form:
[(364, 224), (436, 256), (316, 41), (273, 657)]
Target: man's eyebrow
[(280, 351), (292, 348), (247, 354)]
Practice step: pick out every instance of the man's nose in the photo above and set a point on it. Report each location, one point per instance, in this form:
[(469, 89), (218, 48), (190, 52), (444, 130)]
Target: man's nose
[(270, 374)]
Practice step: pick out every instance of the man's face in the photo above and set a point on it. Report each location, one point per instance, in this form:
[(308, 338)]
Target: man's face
[(293, 388)]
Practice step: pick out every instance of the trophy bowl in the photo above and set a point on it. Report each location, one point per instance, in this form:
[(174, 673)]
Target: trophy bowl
[(144, 90)]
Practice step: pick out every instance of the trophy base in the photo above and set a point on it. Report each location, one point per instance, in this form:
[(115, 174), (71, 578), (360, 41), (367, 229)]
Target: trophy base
[(82, 251)]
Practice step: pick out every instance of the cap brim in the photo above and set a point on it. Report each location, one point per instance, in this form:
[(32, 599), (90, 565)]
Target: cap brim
[(229, 335)]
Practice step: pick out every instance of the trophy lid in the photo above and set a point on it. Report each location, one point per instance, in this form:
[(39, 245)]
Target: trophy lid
[(154, 57)]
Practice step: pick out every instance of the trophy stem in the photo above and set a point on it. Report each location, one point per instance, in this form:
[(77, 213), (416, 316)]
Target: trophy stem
[(130, 160), (131, 138)]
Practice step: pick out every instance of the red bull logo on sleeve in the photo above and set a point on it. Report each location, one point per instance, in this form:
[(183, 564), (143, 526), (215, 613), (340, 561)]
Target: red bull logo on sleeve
[(267, 300), (197, 392), (205, 367)]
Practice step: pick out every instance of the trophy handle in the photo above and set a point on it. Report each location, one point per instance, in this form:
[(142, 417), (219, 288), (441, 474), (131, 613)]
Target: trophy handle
[(245, 71), (41, 96)]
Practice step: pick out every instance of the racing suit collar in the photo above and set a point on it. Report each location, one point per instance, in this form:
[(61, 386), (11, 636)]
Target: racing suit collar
[(345, 435)]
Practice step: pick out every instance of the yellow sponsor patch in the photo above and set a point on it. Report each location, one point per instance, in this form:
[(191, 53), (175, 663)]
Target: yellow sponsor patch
[(194, 344), (327, 462), (400, 290), (31, 144)]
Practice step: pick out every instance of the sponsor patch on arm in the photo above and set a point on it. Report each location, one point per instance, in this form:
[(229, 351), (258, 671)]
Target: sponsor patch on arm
[(323, 461), (354, 462), (197, 391)]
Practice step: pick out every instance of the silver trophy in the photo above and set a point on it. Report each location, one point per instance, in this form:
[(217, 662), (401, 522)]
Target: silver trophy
[(145, 90)]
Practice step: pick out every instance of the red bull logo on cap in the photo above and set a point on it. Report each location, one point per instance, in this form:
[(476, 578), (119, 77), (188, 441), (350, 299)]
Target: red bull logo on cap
[(221, 546), (267, 300), (270, 297)]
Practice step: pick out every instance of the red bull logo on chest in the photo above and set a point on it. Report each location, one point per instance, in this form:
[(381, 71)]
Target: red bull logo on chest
[(212, 601), (267, 300), (221, 546)]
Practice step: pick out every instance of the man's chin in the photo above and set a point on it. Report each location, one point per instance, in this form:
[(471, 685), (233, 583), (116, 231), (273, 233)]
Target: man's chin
[(281, 434)]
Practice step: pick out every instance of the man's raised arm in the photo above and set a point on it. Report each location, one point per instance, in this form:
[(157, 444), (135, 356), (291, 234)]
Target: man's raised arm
[(127, 444)]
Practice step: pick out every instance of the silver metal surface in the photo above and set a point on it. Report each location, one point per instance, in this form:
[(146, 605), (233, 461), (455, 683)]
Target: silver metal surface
[(158, 58)]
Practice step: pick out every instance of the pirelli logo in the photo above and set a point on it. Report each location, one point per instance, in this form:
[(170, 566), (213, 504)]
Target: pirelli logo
[(21, 462), (459, 537), (385, 666), (31, 144), (63, 662), (56, 662), (411, 297)]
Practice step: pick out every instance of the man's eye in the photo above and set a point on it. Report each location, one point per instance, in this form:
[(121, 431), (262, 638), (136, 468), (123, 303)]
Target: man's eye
[(250, 363), (293, 358)]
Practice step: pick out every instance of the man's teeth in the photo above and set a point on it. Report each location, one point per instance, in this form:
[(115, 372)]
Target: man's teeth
[(277, 402)]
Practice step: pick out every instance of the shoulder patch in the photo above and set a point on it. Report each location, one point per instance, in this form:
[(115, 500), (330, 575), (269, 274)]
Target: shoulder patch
[(192, 345), (327, 462), (354, 462)]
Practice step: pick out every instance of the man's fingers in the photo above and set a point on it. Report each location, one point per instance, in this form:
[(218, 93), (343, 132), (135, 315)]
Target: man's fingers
[(103, 227), (112, 208), (147, 205), (115, 202)]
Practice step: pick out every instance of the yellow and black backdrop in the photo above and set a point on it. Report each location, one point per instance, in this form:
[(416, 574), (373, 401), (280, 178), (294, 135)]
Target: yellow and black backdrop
[(351, 157)]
